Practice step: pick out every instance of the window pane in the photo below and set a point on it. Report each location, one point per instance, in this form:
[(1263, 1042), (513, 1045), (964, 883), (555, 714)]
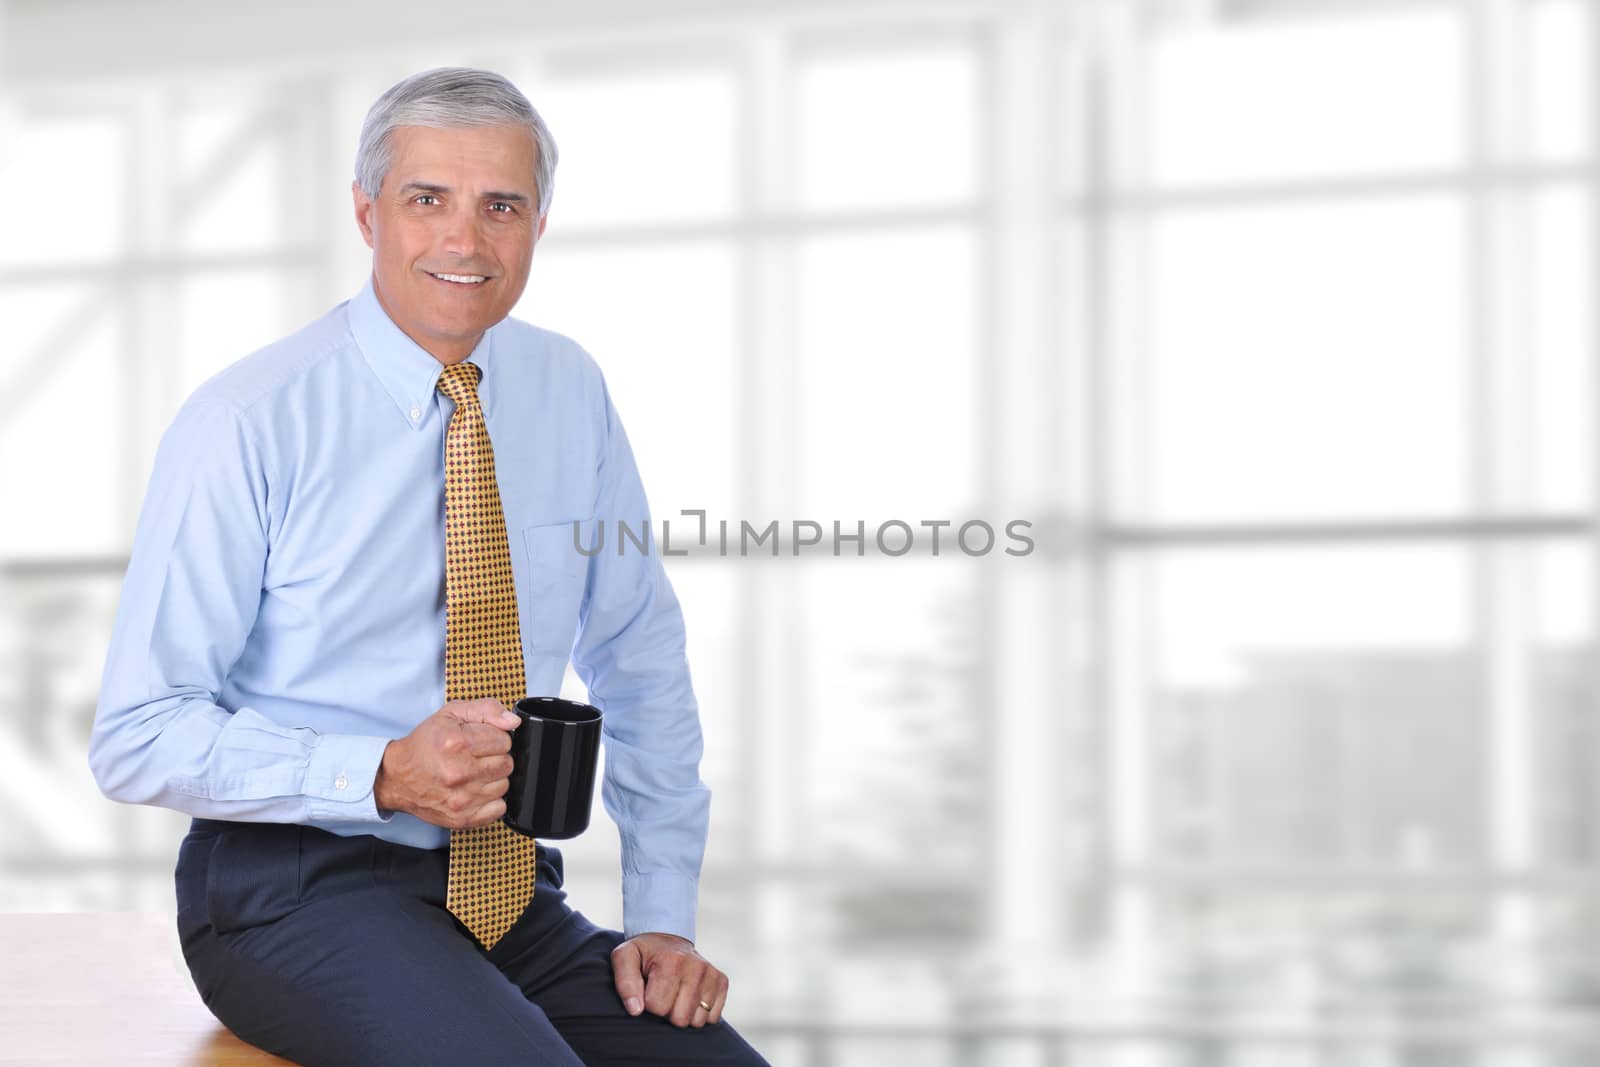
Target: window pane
[(1563, 673), (1293, 692), (66, 361), (223, 317), (1368, 973), (54, 630), (1283, 99), (1560, 69), (231, 178), (1290, 957), (653, 146), (1566, 969), (1561, 284), (659, 320), (894, 742), (887, 371), (74, 170), (889, 129), (1305, 361)]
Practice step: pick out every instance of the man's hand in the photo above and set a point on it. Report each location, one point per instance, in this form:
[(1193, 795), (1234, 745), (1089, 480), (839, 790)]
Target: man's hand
[(453, 770), (663, 972)]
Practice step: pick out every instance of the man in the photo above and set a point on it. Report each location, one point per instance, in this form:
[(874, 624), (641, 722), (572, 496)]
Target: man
[(278, 665)]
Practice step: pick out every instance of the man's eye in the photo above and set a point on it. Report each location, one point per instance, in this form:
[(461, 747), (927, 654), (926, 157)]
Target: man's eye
[(426, 196), (501, 204)]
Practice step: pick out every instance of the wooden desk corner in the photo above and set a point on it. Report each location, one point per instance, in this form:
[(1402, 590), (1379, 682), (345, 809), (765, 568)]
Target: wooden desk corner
[(106, 987)]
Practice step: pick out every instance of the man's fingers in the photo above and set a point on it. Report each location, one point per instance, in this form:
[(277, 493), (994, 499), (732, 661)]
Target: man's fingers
[(702, 1017), (487, 711), (687, 1007), (489, 813), (484, 740), (490, 788), (625, 972), (661, 990), (717, 998), (685, 1004)]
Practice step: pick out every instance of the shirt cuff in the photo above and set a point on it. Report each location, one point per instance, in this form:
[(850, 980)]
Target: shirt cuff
[(339, 779), (659, 903)]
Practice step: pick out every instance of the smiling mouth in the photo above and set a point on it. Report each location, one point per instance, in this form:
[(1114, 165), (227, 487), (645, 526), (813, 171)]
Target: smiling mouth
[(465, 280)]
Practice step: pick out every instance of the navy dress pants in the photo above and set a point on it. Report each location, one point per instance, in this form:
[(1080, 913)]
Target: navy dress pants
[(339, 951)]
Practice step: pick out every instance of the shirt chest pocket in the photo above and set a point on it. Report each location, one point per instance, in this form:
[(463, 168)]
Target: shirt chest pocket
[(557, 575)]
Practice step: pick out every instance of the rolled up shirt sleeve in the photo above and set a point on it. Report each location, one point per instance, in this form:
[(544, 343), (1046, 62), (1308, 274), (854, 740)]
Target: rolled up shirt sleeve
[(630, 653), (188, 604)]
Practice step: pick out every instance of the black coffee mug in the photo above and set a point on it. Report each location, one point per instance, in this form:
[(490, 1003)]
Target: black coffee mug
[(555, 750)]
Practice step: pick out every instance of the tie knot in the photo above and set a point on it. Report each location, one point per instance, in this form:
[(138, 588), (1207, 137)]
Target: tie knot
[(459, 382)]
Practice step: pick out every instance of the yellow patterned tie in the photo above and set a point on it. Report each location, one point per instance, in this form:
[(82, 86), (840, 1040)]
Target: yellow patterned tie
[(491, 867)]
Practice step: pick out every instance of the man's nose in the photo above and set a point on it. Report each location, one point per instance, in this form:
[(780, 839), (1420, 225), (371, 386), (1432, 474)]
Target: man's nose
[(462, 236)]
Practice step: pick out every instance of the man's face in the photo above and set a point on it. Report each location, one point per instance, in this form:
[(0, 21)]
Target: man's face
[(455, 202)]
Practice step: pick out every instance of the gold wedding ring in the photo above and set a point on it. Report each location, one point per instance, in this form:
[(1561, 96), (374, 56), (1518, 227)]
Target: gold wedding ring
[(704, 1005)]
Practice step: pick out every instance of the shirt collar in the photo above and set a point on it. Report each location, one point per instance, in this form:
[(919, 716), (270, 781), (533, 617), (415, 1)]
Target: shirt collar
[(409, 373)]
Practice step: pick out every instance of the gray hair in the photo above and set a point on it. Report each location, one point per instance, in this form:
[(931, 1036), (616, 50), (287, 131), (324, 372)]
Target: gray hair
[(451, 98)]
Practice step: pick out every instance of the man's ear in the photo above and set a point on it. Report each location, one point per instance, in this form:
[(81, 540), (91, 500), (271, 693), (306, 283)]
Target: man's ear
[(363, 205), (542, 220)]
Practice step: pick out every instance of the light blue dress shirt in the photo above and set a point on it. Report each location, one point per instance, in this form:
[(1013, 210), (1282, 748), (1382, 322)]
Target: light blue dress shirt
[(283, 614)]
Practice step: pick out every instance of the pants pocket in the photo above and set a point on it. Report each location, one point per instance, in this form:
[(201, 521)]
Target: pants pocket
[(331, 864), (189, 877), (253, 876)]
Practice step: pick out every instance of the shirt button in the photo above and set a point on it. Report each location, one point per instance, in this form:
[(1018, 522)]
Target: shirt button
[(416, 413), (340, 782)]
